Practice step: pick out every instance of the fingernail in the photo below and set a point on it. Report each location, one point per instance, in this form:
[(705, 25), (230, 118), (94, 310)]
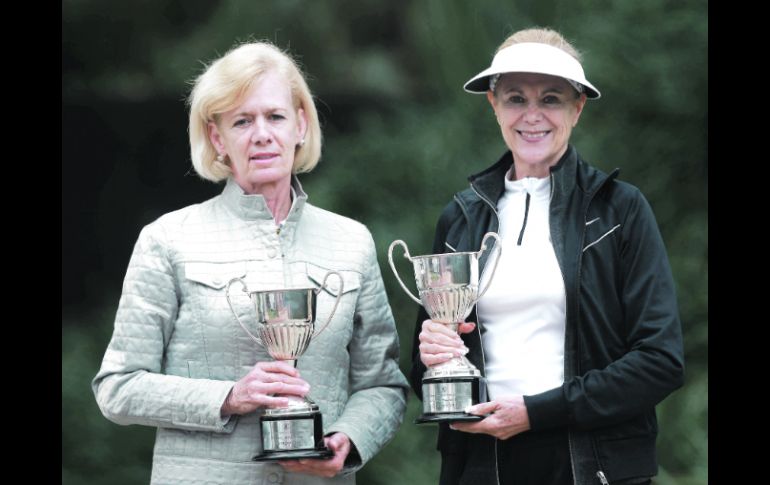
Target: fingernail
[(467, 409)]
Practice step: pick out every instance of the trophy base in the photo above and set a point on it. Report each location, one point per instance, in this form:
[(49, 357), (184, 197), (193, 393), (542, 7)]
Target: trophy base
[(316, 454), (291, 435), (446, 398), (447, 418)]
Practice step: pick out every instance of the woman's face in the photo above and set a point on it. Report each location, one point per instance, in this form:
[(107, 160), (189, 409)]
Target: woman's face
[(260, 135), (536, 114)]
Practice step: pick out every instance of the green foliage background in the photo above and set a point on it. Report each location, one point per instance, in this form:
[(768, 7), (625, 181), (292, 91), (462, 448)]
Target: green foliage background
[(400, 138)]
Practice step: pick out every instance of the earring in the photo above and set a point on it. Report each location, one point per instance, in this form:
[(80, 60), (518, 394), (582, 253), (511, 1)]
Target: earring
[(220, 158), (302, 142)]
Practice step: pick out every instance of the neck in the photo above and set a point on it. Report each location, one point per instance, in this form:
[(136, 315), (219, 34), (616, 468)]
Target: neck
[(279, 202), (522, 170), (277, 197), (538, 170)]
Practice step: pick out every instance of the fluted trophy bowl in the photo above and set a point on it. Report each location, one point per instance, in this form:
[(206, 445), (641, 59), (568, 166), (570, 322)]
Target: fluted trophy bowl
[(448, 286), (285, 320), (285, 325)]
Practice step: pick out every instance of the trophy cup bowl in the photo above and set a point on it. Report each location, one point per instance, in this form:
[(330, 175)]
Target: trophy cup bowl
[(448, 285), (286, 326)]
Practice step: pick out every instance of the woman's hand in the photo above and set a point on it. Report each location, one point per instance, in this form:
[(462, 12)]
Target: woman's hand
[(508, 417), (254, 390), (339, 443), (439, 343)]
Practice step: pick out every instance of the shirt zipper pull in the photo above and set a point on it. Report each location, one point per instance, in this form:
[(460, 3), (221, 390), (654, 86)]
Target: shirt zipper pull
[(524, 224)]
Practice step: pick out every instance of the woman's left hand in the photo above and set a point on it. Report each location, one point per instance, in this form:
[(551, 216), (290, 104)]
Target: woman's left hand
[(507, 417), (339, 443)]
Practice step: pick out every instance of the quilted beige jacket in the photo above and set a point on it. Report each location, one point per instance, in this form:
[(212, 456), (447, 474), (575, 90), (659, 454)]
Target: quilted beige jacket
[(177, 350)]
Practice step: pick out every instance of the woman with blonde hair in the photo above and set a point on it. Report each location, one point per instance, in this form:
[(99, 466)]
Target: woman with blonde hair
[(178, 360)]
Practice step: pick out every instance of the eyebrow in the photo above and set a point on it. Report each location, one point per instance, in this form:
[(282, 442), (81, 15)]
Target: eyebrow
[(268, 110), (552, 89)]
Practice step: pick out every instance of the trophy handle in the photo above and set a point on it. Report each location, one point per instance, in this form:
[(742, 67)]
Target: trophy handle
[(395, 271), (336, 302), (499, 248), (245, 290)]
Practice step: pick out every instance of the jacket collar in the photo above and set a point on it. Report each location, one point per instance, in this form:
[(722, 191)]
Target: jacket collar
[(254, 207), (490, 183), (565, 176)]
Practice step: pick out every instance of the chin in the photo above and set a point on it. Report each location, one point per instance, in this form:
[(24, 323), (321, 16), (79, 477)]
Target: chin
[(269, 176)]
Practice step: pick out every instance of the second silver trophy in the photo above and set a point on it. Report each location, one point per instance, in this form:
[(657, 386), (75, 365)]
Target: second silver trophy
[(448, 285)]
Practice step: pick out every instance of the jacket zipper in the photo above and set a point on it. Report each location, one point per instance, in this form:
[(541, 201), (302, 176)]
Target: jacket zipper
[(564, 282), (484, 363), (489, 203), (478, 326), (550, 197), (602, 478), (599, 473), (571, 461)]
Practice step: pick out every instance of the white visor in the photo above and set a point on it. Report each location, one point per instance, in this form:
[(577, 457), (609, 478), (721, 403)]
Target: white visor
[(536, 58)]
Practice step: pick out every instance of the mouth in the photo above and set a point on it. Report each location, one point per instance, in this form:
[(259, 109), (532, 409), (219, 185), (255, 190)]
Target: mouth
[(262, 158), (533, 135)]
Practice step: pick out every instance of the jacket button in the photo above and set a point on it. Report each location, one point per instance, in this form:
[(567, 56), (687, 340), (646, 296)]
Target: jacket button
[(217, 281), (271, 253), (273, 478)]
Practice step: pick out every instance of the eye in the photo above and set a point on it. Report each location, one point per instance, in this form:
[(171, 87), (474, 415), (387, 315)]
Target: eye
[(516, 99), (551, 99), (277, 117), (241, 122)]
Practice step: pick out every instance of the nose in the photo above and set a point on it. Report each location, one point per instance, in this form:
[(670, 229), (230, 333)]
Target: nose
[(533, 113), (260, 135)]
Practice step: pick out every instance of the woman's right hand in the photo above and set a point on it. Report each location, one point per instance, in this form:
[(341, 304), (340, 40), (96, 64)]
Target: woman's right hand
[(439, 343), (255, 390)]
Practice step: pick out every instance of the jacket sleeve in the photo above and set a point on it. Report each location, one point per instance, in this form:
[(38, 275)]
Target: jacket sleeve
[(653, 366), (130, 387), (378, 388)]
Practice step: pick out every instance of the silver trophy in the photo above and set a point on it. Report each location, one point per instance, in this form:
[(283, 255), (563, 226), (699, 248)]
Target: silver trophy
[(285, 324), (448, 285)]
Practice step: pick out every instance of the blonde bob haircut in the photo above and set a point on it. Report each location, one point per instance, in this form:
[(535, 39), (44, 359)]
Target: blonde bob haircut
[(222, 87)]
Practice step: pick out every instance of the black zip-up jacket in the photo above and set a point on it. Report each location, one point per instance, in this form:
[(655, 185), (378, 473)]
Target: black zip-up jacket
[(623, 345)]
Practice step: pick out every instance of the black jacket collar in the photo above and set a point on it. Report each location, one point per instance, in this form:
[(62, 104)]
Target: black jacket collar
[(568, 173)]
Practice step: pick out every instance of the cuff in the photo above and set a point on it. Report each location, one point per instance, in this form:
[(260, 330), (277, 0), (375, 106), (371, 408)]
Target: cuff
[(353, 461), (547, 410)]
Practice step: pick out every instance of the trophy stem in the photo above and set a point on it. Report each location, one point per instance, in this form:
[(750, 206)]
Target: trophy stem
[(453, 326), (458, 366)]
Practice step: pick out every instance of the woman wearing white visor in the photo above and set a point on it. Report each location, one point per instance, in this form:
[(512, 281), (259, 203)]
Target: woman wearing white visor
[(579, 335)]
